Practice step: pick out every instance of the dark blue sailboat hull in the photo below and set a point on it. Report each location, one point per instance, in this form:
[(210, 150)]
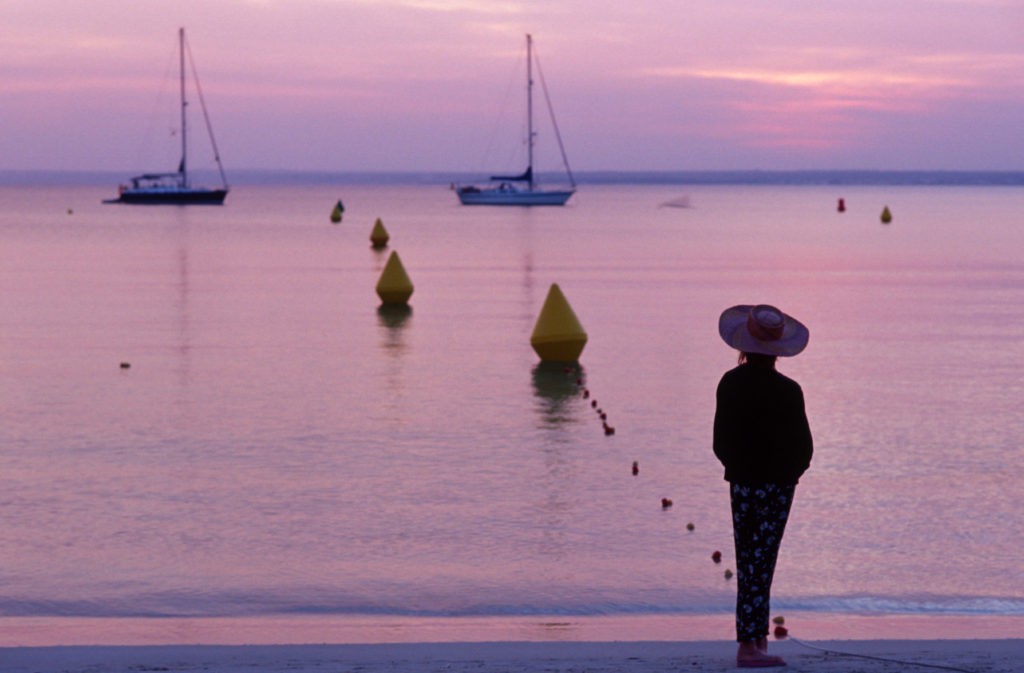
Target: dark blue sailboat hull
[(180, 197)]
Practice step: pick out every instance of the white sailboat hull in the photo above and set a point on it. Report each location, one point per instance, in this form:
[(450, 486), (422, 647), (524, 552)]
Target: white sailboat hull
[(498, 197)]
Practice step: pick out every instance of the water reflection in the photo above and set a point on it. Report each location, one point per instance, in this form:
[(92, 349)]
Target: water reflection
[(557, 385), (393, 319), (380, 257), (184, 346)]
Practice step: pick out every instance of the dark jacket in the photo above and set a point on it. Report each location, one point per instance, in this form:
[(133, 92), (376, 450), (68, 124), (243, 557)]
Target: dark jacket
[(761, 430)]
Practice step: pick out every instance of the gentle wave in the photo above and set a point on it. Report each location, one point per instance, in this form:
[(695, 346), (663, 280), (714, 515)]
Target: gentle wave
[(239, 605)]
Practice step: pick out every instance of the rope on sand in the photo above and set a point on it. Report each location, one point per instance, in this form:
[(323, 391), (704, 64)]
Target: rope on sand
[(891, 661)]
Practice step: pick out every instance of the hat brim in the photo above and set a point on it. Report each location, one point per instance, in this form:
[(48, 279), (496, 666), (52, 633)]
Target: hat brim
[(732, 327)]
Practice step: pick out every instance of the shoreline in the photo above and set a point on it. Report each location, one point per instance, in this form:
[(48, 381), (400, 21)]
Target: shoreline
[(286, 630), (868, 656)]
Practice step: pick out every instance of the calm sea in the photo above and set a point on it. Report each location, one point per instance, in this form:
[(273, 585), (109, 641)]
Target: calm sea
[(277, 447)]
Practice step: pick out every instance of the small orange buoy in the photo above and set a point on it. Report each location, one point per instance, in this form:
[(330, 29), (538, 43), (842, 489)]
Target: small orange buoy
[(842, 206), (781, 632), (666, 503), (636, 468), (728, 574), (690, 527), (716, 556)]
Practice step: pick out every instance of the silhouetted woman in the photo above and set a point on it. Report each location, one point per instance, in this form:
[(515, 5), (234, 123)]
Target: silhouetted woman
[(762, 438)]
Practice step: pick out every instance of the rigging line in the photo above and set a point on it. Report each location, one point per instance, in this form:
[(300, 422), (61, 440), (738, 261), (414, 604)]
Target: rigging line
[(554, 123), (885, 659), (508, 156), (159, 114), (206, 116)]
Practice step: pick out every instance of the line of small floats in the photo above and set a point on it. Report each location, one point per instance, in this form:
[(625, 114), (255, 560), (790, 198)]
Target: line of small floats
[(558, 337)]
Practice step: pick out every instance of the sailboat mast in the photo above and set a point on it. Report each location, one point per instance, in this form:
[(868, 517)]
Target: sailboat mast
[(529, 106), (183, 169)]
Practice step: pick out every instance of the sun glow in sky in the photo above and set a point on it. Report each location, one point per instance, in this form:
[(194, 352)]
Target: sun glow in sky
[(370, 85)]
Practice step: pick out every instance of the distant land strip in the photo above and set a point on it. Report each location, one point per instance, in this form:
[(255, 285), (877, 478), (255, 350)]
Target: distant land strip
[(693, 177)]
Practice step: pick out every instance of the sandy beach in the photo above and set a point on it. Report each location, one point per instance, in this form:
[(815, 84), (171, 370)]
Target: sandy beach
[(861, 656)]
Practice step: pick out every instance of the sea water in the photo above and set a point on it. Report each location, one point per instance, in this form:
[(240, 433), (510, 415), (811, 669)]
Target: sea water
[(208, 416)]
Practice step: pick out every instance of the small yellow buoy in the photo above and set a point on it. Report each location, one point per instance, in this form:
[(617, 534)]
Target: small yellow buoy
[(886, 215), (339, 208), (379, 235), (394, 285), (558, 335)]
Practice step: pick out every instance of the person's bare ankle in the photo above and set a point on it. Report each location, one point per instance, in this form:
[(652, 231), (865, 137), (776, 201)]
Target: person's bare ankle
[(747, 648), (750, 655)]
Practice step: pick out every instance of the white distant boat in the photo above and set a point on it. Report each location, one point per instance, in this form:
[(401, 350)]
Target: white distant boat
[(176, 188), (520, 190)]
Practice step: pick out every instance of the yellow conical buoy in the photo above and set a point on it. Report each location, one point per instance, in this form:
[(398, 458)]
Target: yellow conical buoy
[(886, 215), (394, 286), (379, 236), (339, 208), (558, 335)]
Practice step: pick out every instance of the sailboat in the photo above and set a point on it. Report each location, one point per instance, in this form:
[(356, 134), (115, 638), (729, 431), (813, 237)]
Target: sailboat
[(176, 188), (523, 189)]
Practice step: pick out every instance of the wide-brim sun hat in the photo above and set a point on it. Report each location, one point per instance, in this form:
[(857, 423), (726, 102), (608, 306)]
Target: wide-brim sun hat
[(762, 329)]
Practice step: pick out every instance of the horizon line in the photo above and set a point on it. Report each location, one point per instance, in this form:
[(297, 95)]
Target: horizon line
[(802, 176)]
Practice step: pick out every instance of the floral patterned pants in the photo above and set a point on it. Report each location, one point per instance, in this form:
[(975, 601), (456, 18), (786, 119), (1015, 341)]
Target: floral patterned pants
[(759, 515)]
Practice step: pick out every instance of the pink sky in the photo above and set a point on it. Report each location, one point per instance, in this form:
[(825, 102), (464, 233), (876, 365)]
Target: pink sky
[(354, 85)]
